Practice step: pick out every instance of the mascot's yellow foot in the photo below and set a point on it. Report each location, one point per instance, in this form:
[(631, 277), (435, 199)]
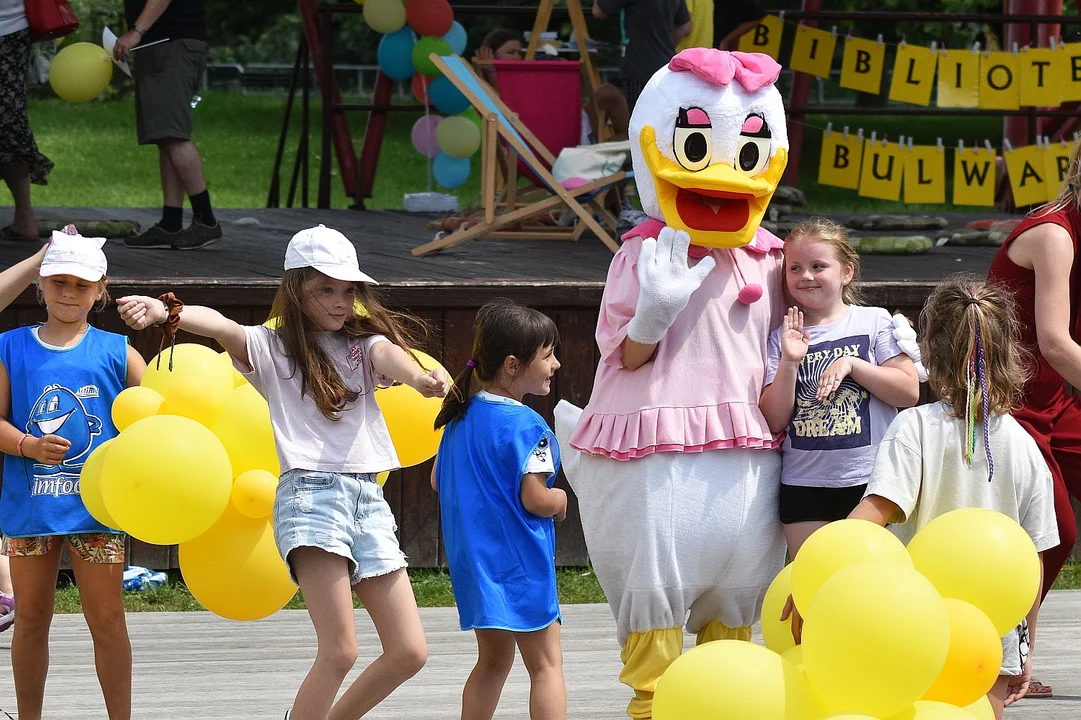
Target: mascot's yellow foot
[(645, 657), (715, 630)]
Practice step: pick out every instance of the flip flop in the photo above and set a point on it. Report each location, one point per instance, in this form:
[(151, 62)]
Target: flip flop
[(6, 234), (1037, 689)]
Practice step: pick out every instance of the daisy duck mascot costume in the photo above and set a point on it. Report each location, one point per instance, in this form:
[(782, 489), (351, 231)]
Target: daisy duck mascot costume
[(676, 472)]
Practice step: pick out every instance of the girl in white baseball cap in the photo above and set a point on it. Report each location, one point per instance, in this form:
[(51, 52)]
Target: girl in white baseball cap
[(332, 343)]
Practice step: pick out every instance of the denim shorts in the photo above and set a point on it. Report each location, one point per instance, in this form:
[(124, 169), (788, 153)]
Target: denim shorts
[(342, 513)]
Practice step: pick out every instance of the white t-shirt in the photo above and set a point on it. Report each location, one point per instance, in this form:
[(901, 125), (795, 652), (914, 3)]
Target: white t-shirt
[(540, 460), (358, 442), (921, 467), (12, 16)]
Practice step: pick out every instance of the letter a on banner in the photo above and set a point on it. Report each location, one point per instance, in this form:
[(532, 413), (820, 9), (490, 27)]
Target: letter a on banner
[(1069, 78), (1056, 161), (861, 68), (913, 75), (764, 37), (1040, 75), (883, 168), (1028, 176), (812, 52), (958, 79), (1000, 88), (839, 165), (974, 177), (925, 175)]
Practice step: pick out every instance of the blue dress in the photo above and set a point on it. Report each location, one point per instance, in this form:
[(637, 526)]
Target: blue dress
[(501, 557)]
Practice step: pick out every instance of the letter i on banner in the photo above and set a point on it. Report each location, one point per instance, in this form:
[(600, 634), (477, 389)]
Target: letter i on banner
[(913, 74), (974, 177), (925, 174), (764, 38), (861, 67), (1039, 72), (1025, 167), (1056, 159), (883, 168), (999, 86), (812, 52), (839, 164), (958, 79), (1069, 78)]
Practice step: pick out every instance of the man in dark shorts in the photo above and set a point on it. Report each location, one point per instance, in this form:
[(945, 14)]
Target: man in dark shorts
[(651, 29), (167, 76)]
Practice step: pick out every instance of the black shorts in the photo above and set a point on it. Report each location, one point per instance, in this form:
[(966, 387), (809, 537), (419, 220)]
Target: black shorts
[(818, 504), (167, 78)]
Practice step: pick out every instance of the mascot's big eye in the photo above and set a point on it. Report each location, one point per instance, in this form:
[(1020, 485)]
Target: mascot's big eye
[(752, 149), (693, 140)]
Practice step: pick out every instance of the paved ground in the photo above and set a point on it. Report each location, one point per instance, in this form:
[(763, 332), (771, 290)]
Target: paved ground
[(195, 665)]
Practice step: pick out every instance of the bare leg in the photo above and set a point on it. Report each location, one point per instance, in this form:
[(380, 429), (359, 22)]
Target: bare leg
[(17, 178), (187, 165), (997, 695), (5, 575), (609, 105), (324, 579), (34, 580), (172, 190), (390, 603), (797, 533), (543, 657), (495, 656), (100, 590)]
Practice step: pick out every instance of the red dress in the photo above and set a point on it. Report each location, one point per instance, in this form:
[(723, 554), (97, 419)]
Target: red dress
[(1050, 414)]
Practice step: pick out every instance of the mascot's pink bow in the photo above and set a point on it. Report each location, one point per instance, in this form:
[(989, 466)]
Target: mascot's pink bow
[(753, 71)]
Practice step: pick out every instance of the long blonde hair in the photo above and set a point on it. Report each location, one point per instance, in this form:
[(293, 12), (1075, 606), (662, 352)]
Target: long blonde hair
[(833, 234), (1070, 194)]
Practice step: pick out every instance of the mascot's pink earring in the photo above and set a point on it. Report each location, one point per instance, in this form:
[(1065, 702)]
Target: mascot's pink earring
[(750, 292)]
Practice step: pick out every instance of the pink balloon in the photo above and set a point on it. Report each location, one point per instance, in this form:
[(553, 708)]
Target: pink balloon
[(423, 135)]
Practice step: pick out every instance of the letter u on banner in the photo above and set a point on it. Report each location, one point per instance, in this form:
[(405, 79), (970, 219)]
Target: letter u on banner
[(883, 168), (999, 85), (839, 164), (925, 175), (1056, 161), (764, 38), (1069, 78), (861, 68), (913, 75), (812, 52), (1028, 177), (974, 177), (958, 79), (1038, 68)]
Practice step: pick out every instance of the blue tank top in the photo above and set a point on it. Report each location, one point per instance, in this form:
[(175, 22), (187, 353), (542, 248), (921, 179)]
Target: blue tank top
[(67, 392)]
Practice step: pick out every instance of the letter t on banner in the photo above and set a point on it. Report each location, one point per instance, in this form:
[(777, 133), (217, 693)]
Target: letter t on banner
[(883, 169), (839, 165), (1025, 167), (764, 37), (925, 175), (861, 68), (974, 177), (913, 74), (812, 52), (1040, 76)]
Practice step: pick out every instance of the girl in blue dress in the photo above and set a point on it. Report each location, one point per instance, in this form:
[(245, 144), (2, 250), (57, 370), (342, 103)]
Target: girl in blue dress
[(494, 473)]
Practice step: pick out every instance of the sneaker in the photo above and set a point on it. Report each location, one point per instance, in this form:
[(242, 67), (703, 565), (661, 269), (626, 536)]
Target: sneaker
[(7, 606), (198, 235), (155, 237)]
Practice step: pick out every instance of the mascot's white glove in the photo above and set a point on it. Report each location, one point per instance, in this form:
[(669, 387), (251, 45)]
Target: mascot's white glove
[(665, 284), (906, 340)]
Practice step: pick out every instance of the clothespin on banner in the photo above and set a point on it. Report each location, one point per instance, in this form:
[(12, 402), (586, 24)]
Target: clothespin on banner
[(903, 43), (1039, 143), (1007, 146), (976, 47), (939, 145), (833, 32), (987, 144), (845, 135), (859, 135), (880, 40), (780, 16), (961, 146), (874, 137), (1015, 49), (829, 129), (934, 46), (910, 144)]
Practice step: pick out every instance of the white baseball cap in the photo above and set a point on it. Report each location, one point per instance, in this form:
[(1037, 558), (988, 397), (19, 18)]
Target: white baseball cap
[(328, 251), (76, 255)]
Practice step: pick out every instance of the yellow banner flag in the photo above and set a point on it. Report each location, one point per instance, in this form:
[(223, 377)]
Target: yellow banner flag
[(913, 74), (812, 52), (1028, 176), (974, 177), (764, 38), (861, 68), (958, 79), (883, 169), (925, 174), (839, 164), (1069, 68), (1040, 75), (999, 85), (1056, 161)]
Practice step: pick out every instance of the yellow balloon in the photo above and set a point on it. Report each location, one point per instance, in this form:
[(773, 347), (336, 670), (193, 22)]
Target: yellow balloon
[(90, 486), (381, 478), (238, 379), (850, 716), (243, 426), (875, 639), (983, 557), (410, 417), (384, 16), (234, 568), (700, 684), (193, 397), (133, 404), (253, 493), (930, 710), (188, 359), (981, 709), (794, 655), (837, 546), (80, 72), (777, 633), (166, 479), (974, 658)]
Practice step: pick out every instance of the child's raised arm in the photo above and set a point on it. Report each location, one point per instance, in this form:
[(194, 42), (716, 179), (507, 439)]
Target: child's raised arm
[(778, 399), (19, 276), (894, 382), (141, 312), (394, 362)]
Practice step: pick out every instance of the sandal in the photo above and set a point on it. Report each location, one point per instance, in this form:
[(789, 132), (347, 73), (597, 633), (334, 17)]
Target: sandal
[(7, 234), (1037, 689)]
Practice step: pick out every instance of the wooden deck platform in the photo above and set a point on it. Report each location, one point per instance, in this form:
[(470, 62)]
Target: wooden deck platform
[(196, 665)]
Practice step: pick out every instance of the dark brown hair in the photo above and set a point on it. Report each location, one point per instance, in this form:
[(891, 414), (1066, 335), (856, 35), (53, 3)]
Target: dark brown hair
[(503, 329), (297, 333), (833, 234), (499, 37)]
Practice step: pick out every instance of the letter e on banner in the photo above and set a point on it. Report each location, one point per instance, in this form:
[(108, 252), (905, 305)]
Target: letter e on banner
[(883, 168), (974, 177), (925, 175), (1028, 177), (958, 79), (1040, 76), (1000, 88), (812, 52), (1069, 72), (839, 164), (764, 37), (913, 75), (1056, 161), (861, 67)]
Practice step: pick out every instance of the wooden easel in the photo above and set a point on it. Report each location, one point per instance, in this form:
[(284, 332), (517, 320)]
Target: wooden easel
[(578, 22)]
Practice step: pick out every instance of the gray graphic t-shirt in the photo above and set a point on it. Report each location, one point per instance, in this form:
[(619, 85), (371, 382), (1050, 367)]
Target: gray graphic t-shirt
[(832, 443)]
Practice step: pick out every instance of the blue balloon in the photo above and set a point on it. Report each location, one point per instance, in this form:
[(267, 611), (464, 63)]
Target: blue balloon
[(450, 172), (447, 99), (456, 38), (395, 54)]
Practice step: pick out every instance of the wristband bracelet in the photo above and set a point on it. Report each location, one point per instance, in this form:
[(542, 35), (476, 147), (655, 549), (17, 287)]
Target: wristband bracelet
[(139, 30), (19, 445)]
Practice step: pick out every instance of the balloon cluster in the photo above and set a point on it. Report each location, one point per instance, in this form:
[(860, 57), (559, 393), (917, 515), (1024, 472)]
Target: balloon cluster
[(413, 30), (195, 465), (889, 633), (80, 72)]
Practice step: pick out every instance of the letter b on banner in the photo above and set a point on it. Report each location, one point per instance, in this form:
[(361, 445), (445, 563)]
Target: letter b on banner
[(839, 164), (764, 37), (861, 68)]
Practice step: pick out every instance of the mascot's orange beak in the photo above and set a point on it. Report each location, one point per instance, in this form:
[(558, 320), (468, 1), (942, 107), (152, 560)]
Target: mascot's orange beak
[(717, 206)]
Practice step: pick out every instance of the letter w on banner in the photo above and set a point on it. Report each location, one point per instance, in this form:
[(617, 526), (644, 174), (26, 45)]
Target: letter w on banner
[(861, 67), (1027, 172), (913, 74), (925, 174), (883, 168), (764, 38), (974, 177), (839, 165)]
